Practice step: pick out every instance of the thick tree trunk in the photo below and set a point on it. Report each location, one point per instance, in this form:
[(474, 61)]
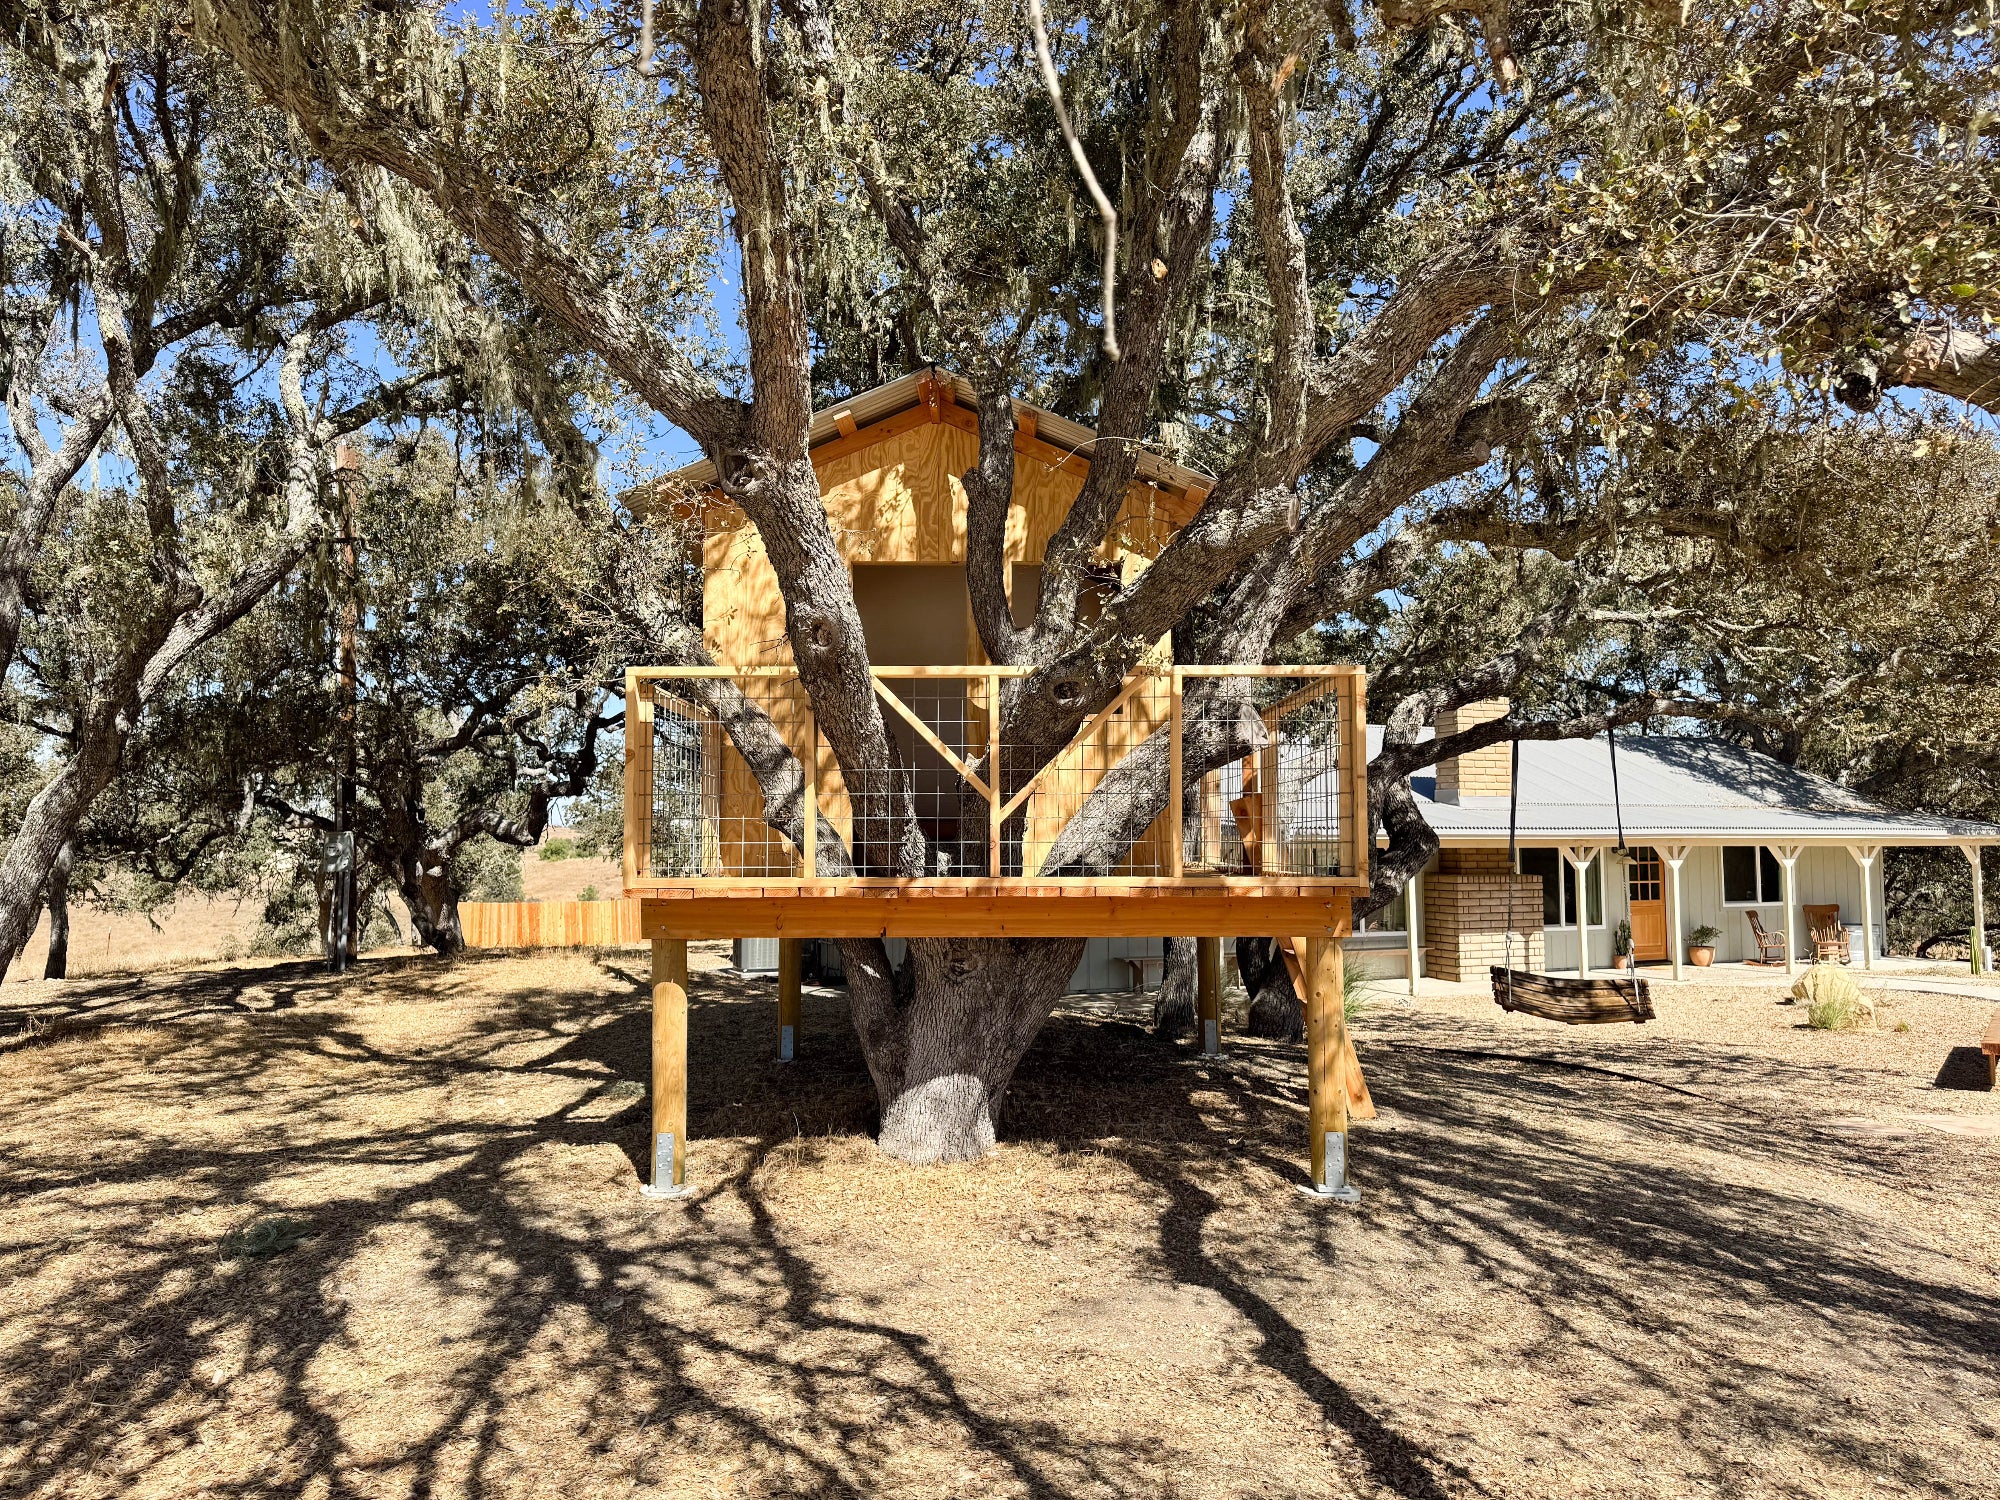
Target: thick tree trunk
[(1275, 1011), (1174, 1005), (52, 817), (943, 1051), (58, 965), (433, 904)]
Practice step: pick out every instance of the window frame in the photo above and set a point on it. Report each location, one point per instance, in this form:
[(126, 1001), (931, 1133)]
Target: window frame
[(1402, 900), (1764, 855), (1564, 887)]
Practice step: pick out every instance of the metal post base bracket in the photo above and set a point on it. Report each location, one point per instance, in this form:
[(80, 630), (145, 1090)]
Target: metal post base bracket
[(1336, 1187), (784, 1044), (663, 1184)]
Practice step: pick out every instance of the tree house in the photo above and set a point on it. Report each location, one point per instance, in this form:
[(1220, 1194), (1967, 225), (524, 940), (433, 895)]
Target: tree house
[(1273, 842)]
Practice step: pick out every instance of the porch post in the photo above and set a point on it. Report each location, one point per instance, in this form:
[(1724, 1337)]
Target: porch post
[(670, 1055), (1788, 862), (1410, 923), (1326, 1049), (1971, 852), (1579, 857), (1864, 856), (1675, 855)]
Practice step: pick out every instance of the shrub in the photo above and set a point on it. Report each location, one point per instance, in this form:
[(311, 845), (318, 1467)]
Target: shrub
[(1704, 936), (1834, 1013), (557, 849), (1359, 989), (588, 893)]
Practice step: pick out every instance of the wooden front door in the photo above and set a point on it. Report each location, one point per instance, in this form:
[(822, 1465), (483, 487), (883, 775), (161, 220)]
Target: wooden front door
[(1646, 893)]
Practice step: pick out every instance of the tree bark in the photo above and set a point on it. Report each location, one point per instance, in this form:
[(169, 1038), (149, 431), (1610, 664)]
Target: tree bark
[(1173, 1006), (1275, 1010), (943, 1051), (57, 966), (425, 883)]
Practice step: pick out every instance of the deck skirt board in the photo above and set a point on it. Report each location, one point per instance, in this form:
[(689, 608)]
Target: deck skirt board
[(748, 911)]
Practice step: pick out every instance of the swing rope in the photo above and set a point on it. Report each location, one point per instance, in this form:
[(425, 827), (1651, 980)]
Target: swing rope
[(1573, 1001)]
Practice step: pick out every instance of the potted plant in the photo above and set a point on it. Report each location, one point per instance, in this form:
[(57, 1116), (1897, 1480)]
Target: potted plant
[(1621, 945), (1701, 945)]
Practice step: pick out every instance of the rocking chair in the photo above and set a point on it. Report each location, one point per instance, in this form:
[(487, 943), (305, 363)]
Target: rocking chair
[(1770, 945), (1829, 936)]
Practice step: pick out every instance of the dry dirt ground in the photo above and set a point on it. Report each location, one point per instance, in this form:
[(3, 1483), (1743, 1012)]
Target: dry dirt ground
[(1715, 1256)]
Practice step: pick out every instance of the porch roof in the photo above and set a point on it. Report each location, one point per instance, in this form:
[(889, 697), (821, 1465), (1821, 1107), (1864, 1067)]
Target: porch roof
[(1677, 790)]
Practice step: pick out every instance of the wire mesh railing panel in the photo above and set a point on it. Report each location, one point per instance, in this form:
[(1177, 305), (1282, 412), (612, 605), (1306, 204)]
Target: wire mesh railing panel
[(1306, 727), (1265, 788), (924, 814), (1057, 824), (686, 801), (1211, 773)]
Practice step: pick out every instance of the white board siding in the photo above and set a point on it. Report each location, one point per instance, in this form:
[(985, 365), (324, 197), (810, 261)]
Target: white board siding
[(1823, 876)]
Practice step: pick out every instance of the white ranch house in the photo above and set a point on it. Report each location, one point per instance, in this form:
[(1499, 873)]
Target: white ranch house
[(1712, 835)]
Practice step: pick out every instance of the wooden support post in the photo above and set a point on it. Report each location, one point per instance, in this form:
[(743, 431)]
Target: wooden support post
[(1326, 1048), (1675, 855), (1978, 908), (1410, 914), (1208, 993), (670, 1063), (1864, 855), (1788, 864), (791, 962)]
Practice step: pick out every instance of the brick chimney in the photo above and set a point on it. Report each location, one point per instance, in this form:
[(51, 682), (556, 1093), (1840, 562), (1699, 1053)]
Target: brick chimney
[(1483, 773)]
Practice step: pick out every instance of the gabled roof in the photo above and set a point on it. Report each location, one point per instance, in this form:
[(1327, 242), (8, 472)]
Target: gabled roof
[(846, 425), (1677, 789)]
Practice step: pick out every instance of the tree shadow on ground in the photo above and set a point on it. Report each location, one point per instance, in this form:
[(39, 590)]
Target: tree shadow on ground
[(506, 1282), (1604, 1198), (1598, 1196)]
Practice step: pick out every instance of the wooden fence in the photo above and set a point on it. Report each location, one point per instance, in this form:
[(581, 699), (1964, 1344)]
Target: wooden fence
[(549, 924)]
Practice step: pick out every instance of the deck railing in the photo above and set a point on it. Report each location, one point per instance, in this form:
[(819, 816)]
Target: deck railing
[(1288, 804)]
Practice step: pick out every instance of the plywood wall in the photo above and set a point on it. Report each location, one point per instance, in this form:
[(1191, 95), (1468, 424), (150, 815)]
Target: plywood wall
[(900, 500)]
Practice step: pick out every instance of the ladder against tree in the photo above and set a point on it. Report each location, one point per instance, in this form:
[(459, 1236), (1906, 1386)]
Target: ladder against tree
[(703, 863)]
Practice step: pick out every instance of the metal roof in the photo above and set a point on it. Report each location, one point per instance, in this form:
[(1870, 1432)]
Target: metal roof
[(884, 401), (1675, 789)]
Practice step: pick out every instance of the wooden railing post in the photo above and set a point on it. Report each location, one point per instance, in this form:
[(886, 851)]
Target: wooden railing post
[(1357, 834), (1175, 853), (809, 844), (638, 852), (995, 819)]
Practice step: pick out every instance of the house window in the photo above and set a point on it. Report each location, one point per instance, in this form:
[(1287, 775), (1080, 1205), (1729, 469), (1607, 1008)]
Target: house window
[(1750, 876), (1559, 887), (1392, 918)]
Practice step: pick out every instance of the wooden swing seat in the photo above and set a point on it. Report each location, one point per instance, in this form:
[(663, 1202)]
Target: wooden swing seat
[(1575, 1002)]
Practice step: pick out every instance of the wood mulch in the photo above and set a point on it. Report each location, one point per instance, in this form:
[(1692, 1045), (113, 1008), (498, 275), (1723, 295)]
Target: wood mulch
[(1719, 1255)]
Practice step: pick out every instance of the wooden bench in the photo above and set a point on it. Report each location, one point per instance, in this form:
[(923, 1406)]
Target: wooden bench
[(1990, 1045), (1144, 969)]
